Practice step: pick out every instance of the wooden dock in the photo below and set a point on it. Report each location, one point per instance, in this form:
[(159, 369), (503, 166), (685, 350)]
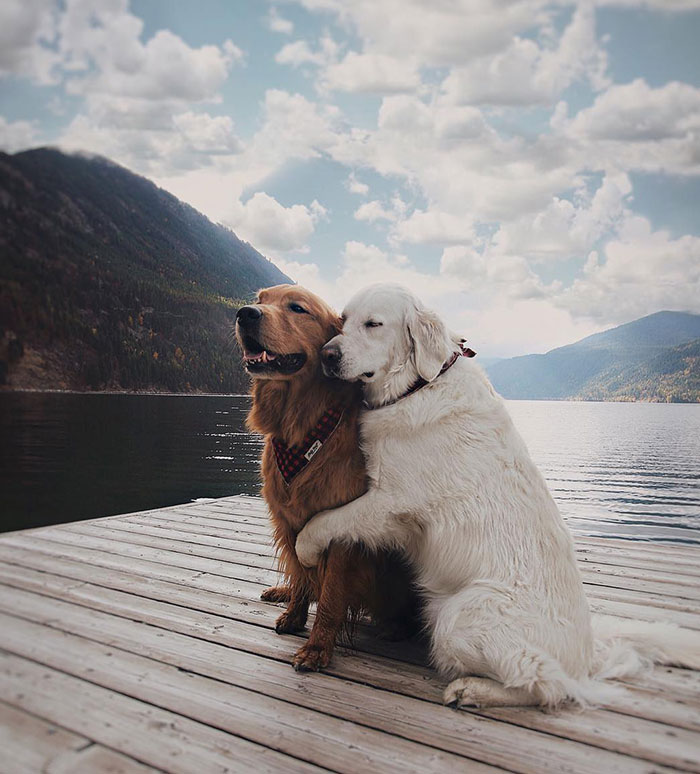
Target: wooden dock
[(138, 643)]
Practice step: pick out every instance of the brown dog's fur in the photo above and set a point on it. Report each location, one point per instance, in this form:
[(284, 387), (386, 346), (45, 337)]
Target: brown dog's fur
[(287, 407)]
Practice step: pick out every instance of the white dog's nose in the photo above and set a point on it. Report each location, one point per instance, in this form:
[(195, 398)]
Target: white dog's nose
[(331, 355)]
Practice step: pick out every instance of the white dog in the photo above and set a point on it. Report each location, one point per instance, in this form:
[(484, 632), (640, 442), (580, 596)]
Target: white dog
[(453, 485)]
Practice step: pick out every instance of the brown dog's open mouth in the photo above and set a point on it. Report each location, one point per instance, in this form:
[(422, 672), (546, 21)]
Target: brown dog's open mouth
[(258, 360)]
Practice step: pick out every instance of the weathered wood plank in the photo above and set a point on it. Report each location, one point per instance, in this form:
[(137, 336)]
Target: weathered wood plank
[(42, 541), (676, 684), (95, 625), (173, 594), (98, 760), (30, 744), (192, 538), (155, 736), (305, 734), (682, 558), (619, 558), (240, 552), (158, 563), (185, 526), (364, 705), (605, 600), (240, 523), (135, 536), (671, 550)]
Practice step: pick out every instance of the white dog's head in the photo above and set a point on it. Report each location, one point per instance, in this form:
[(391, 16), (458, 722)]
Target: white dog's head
[(389, 339)]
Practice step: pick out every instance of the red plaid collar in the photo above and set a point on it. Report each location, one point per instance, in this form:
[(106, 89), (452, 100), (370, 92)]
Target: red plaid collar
[(420, 382), (293, 459)]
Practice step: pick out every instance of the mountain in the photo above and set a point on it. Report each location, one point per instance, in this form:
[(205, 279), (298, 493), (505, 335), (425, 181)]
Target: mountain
[(655, 358), (109, 282)]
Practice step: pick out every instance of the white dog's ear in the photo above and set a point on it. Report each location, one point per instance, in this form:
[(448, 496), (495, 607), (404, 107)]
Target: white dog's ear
[(431, 341)]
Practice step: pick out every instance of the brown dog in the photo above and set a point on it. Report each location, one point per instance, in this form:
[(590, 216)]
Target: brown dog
[(311, 462)]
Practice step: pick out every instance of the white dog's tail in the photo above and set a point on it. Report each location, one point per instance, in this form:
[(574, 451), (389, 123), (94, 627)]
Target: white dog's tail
[(624, 647)]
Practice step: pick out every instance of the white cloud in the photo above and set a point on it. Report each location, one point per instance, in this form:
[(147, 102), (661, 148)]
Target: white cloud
[(636, 112), (659, 5), (635, 126), (371, 73), (527, 73), (497, 188), (197, 156), (140, 96), (293, 129), (17, 135), (27, 27), (435, 33), (356, 186), (164, 68), (270, 226), (462, 166), (567, 228), (639, 272), (278, 23), (207, 134), (374, 210), (500, 276), (357, 72), (151, 138), (467, 293), (299, 53), (434, 227)]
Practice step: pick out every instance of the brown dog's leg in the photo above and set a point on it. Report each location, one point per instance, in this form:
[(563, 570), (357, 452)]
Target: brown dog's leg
[(294, 617), (277, 594), (330, 614)]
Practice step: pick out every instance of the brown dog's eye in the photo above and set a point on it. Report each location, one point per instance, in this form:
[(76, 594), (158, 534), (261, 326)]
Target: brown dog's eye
[(373, 324), (298, 309)]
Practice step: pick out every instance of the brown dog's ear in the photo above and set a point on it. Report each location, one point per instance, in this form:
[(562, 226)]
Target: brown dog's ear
[(431, 342), (335, 327)]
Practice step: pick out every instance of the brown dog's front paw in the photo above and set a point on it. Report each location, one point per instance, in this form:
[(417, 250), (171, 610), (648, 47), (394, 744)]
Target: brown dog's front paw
[(289, 623), (276, 594), (311, 658)]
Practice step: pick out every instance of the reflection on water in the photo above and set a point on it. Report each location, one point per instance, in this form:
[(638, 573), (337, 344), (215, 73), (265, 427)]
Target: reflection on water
[(625, 469), (630, 470), (66, 457)]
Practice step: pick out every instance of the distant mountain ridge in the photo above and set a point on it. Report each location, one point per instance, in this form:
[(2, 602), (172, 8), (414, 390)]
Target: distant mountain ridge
[(109, 282), (654, 358)]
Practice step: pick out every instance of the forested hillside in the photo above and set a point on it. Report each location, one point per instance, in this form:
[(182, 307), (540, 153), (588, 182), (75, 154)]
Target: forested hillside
[(655, 358), (108, 282)]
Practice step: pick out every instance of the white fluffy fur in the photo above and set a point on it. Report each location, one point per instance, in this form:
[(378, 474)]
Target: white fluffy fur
[(453, 485)]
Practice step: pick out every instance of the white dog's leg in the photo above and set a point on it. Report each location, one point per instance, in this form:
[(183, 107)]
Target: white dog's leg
[(477, 632), (370, 520), (484, 692)]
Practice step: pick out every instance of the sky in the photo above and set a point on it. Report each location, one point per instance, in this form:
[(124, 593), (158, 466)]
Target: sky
[(531, 169)]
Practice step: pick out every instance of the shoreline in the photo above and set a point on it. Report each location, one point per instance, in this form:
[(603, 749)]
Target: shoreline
[(13, 391), (127, 392)]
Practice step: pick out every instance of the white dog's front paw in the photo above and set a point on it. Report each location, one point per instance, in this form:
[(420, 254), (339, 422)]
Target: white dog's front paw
[(308, 549)]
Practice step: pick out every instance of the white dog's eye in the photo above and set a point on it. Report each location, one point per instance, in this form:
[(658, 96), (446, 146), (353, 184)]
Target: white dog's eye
[(373, 324)]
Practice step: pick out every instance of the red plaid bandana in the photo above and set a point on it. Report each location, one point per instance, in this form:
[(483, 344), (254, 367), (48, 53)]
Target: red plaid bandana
[(293, 459)]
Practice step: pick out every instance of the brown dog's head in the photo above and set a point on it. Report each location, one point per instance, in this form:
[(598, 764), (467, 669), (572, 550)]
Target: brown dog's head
[(282, 332)]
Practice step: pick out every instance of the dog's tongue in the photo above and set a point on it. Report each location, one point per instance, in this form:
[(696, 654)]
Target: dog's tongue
[(262, 357)]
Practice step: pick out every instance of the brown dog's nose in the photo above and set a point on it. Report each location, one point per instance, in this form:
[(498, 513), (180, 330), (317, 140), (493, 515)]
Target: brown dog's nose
[(248, 314), (330, 355)]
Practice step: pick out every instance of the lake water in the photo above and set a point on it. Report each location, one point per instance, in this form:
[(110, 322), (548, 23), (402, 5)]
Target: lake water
[(620, 469)]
